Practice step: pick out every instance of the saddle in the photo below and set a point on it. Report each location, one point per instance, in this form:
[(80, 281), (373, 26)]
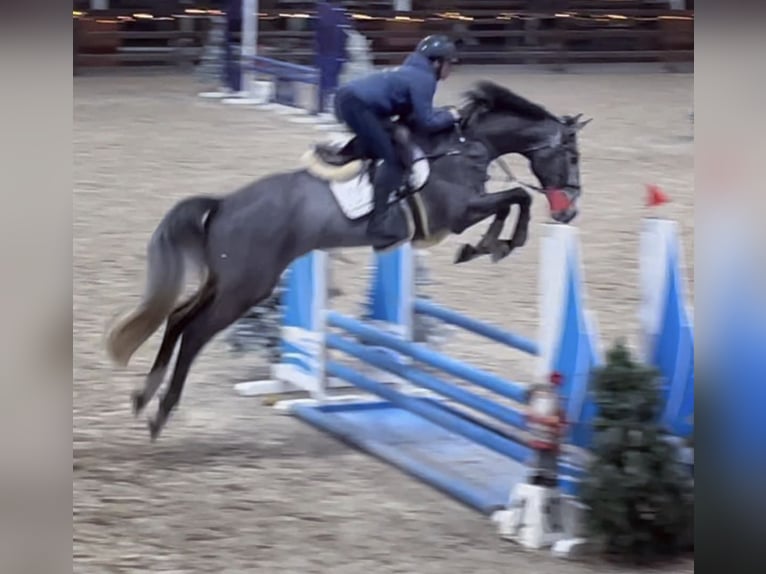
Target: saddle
[(350, 175), (346, 160)]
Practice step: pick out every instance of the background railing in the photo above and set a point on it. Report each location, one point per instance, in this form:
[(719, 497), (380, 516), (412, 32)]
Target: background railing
[(552, 32)]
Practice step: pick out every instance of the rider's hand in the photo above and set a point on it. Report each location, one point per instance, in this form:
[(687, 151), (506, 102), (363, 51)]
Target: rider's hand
[(455, 113)]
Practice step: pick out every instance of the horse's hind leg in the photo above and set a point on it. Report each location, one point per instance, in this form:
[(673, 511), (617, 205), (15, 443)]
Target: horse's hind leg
[(208, 320), (177, 322)]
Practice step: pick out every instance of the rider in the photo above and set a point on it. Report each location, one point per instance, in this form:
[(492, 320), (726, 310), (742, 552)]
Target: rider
[(366, 106)]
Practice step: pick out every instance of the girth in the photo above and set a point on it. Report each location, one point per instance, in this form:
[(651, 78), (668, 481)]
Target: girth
[(419, 213)]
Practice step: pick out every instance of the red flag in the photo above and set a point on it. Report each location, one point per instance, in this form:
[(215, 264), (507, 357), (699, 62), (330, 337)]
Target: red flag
[(655, 196)]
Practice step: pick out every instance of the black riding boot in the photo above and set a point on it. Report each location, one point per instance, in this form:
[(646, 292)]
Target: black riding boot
[(387, 225)]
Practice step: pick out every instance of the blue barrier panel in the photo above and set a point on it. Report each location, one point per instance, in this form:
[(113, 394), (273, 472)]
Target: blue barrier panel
[(438, 414), (459, 467)]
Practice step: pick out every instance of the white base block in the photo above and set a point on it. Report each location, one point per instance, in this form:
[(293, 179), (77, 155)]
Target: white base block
[(286, 379), (262, 387), (534, 518), (245, 101), (571, 548), (272, 107), (217, 95), (284, 110), (321, 121), (279, 387), (260, 93)]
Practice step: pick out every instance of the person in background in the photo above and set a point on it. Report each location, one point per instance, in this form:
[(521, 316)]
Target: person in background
[(232, 76), (332, 21)]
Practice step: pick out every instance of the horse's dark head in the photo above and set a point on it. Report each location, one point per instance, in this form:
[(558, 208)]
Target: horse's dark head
[(509, 123), (556, 164)]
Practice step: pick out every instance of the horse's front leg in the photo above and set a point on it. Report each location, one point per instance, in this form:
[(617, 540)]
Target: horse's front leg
[(489, 242), (497, 204), (520, 232)]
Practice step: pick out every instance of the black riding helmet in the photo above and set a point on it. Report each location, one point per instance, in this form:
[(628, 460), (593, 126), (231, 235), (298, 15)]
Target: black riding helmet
[(438, 47)]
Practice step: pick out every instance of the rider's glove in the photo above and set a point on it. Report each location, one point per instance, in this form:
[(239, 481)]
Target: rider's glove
[(455, 113)]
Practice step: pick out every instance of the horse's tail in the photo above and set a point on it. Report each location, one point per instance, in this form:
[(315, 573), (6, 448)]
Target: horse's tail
[(180, 236)]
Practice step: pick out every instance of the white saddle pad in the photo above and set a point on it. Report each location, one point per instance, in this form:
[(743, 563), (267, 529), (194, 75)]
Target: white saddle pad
[(355, 195)]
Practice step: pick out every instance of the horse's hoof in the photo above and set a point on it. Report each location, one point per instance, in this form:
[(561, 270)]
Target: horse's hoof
[(501, 253), (138, 401), (519, 240), (466, 253), (155, 426)]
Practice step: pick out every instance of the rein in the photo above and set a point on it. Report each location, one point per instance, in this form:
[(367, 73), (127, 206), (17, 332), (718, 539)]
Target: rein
[(500, 161), (512, 179)]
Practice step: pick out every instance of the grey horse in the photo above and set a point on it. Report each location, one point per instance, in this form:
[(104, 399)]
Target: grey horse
[(244, 241)]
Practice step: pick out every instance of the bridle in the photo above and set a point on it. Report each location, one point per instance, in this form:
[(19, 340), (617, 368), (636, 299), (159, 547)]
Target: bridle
[(556, 145)]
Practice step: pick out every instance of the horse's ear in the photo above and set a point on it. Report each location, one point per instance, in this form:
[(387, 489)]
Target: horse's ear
[(474, 111), (571, 120), (580, 125)]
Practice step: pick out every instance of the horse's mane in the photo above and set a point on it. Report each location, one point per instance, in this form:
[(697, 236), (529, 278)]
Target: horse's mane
[(487, 97)]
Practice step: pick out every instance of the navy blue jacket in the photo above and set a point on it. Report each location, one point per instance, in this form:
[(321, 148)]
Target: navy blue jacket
[(407, 91)]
